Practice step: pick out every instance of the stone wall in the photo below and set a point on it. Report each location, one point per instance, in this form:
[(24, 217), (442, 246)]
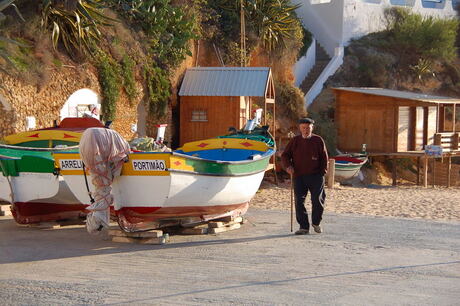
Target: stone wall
[(45, 103)]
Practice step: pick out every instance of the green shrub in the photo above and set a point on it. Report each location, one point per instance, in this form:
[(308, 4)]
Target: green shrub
[(419, 40), (167, 27), (109, 80), (289, 101), (129, 83), (307, 39), (158, 90)]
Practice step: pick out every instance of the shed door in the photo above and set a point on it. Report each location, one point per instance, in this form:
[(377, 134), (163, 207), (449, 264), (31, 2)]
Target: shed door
[(374, 131)]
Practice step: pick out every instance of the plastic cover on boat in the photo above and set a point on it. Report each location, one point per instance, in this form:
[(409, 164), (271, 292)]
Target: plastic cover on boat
[(103, 151)]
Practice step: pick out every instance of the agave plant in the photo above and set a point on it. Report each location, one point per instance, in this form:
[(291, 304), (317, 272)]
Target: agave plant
[(272, 20), (74, 23)]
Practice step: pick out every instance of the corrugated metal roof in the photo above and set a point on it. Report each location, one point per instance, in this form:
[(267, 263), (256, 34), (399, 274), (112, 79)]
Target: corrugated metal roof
[(400, 94), (225, 81)]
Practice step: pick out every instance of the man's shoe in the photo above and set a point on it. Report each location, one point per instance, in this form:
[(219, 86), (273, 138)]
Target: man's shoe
[(302, 231), (317, 229)]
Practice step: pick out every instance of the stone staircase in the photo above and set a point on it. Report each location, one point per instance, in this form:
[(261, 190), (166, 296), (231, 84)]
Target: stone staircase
[(322, 59)]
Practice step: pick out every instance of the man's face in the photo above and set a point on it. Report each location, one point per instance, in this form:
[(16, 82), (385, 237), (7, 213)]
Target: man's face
[(306, 129)]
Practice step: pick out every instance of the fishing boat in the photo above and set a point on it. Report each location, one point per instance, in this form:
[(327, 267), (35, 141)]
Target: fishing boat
[(28, 178), (347, 167), (202, 180)]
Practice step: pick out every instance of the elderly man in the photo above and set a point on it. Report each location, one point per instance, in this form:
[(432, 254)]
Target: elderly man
[(305, 158)]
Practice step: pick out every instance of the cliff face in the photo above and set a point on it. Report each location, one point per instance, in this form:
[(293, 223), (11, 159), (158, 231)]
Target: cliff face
[(20, 100)]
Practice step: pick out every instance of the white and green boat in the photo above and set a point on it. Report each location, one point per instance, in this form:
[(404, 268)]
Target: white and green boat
[(201, 180)]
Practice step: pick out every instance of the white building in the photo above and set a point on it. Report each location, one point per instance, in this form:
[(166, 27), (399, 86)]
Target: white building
[(334, 22)]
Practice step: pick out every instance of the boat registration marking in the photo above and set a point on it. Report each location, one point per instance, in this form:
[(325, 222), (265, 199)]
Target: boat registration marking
[(70, 164), (149, 165)]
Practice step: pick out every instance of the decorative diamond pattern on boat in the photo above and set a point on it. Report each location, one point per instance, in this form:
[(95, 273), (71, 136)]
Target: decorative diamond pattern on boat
[(177, 163), (246, 144), (68, 136), (203, 144), (34, 135)]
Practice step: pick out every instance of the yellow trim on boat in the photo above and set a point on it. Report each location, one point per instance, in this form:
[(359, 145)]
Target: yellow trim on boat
[(137, 165), (42, 135), (69, 164), (147, 165), (229, 143), (180, 163)]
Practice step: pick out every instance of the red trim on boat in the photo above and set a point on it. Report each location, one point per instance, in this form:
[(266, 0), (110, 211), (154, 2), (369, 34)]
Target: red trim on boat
[(80, 123), (142, 214), (348, 159), (33, 212)]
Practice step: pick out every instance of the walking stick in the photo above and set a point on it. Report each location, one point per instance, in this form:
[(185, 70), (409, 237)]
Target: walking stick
[(292, 204)]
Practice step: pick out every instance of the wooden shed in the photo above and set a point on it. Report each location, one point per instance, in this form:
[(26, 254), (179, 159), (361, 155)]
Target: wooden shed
[(390, 121), (212, 99)]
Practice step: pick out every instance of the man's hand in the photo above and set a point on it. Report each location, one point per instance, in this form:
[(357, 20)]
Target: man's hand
[(290, 170)]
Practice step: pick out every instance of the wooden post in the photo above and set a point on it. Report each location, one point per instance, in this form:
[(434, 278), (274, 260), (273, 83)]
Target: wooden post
[(434, 171), (418, 170), (331, 173), (449, 168), (394, 174), (425, 171)]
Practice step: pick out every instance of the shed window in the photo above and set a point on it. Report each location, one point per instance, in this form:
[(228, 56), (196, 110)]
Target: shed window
[(403, 2), (199, 115), (438, 4)]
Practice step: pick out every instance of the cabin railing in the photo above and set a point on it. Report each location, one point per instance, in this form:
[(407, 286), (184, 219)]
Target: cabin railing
[(448, 141)]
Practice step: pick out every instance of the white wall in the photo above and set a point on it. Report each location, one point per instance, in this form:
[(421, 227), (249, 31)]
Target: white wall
[(305, 64), (333, 24), (324, 21), (83, 96)]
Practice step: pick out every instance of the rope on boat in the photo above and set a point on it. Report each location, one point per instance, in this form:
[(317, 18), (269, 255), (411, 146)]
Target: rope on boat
[(86, 183), (103, 152)]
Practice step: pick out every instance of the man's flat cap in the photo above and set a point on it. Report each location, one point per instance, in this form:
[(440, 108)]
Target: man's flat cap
[(306, 120)]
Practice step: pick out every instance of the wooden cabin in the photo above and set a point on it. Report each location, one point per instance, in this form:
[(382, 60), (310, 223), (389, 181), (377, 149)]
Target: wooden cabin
[(390, 121), (213, 99)]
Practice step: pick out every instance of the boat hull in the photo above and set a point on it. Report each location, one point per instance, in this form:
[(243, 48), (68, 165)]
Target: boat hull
[(38, 196), (157, 186), (348, 167)]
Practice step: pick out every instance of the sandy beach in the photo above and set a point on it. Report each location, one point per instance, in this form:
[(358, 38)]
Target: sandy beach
[(437, 203)]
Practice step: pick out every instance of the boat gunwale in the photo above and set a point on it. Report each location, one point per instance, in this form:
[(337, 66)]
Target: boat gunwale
[(215, 174), (38, 149), (265, 155)]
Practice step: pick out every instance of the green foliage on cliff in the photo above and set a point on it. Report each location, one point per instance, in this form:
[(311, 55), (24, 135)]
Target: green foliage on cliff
[(270, 24), (158, 90), (127, 71), (109, 79), (74, 23)]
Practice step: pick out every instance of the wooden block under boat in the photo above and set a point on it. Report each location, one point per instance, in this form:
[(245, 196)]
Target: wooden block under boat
[(226, 219), (154, 240), (193, 231), (225, 228), (146, 234), (5, 210), (217, 224)]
